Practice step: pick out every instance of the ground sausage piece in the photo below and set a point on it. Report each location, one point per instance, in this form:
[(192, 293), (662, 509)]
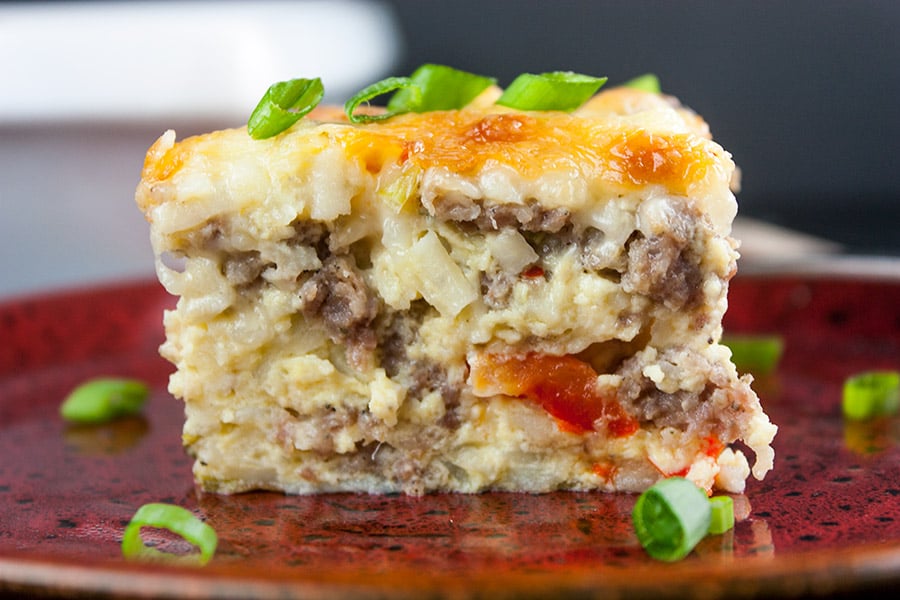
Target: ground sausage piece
[(526, 217), (243, 268), (662, 261), (496, 288), (338, 295), (398, 332), (719, 408), (664, 269)]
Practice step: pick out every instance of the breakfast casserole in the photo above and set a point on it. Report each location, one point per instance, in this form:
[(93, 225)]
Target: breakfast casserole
[(482, 298)]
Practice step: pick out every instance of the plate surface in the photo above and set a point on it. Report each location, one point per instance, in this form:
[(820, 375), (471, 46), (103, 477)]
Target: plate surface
[(826, 520)]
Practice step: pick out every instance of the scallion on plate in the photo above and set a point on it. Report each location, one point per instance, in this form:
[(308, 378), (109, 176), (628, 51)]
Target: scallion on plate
[(671, 517), (721, 514), (104, 399), (871, 394), (759, 354), (175, 519)]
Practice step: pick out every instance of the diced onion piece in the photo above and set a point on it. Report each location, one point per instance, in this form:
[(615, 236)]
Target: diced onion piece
[(441, 88), (283, 104), (721, 515), (176, 519), (757, 354), (871, 394), (398, 192), (440, 280), (511, 251), (647, 83), (104, 399), (671, 517), (557, 90)]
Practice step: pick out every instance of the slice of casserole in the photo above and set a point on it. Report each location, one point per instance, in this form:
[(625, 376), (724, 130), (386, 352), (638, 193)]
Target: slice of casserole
[(465, 300)]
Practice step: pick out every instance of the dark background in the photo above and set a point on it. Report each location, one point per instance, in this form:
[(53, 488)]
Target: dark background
[(803, 93)]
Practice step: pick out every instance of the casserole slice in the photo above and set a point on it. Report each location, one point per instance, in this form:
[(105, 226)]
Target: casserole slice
[(464, 300)]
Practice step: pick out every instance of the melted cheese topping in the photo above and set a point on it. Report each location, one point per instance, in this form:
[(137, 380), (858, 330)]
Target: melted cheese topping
[(533, 144), (619, 143)]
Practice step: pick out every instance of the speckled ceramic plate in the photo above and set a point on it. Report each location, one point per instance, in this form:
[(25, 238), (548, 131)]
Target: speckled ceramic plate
[(826, 520)]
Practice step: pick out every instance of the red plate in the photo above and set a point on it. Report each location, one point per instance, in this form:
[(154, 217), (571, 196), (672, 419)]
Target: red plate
[(827, 519)]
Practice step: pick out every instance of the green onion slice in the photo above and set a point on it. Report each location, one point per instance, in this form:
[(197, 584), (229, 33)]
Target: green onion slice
[(104, 399), (431, 87), (647, 83), (558, 90), (871, 394), (721, 515), (671, 517), (170, 517), (758, 354), (283, 104), (440, 88), (380, 88)]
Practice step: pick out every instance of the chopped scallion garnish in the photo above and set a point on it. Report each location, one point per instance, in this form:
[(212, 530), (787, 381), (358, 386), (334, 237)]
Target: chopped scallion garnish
[(104, 399), (283, 104), (757, 354), (440, 88), (647, 83), (170, 517), (721, 515), (671, 517), (871, 394), (558, 90), (379, 88), (431, 87)]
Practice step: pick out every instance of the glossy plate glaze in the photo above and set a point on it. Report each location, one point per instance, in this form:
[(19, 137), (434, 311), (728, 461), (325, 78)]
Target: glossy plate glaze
[(826, 520)]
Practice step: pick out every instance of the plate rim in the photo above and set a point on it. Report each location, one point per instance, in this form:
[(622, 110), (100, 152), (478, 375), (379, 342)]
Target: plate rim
[(849, 569), (846, 266)]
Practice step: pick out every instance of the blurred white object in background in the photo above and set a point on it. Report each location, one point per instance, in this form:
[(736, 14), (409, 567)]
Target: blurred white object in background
[(86, 87), (137, 61)]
